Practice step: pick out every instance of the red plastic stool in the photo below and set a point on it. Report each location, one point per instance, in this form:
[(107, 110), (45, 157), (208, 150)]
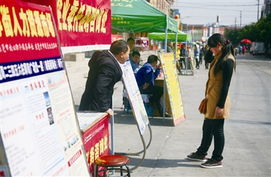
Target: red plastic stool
[(111, 162)]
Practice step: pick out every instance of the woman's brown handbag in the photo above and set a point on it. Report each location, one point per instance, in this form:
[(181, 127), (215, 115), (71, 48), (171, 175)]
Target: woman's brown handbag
[(203, 106)]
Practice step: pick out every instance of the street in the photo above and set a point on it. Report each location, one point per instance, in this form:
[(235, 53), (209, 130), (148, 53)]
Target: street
[(116, 52), (247, 131)]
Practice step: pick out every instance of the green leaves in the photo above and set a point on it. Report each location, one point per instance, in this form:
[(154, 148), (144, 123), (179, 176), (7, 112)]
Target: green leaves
[(259, 31)]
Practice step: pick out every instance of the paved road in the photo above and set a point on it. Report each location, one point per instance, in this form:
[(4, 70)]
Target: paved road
[(250, 126), (247, 151)]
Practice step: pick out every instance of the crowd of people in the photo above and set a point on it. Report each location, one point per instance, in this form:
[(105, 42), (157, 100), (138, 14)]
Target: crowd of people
[(192, 55)]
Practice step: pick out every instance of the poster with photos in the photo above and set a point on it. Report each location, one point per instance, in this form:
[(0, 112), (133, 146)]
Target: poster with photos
[(39, 130)]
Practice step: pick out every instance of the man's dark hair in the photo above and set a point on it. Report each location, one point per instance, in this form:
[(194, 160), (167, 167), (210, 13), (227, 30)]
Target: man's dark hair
[(135, 52), (152, 58), (118, 46), (130, 39)]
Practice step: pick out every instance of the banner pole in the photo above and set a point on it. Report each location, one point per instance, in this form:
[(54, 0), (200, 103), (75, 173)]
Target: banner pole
[(112, 121)]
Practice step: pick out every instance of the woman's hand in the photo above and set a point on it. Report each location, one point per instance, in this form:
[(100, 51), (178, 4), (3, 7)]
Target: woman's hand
[(219, 112)]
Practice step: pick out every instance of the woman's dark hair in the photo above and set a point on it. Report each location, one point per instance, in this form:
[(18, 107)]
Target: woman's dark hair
[(119, 46), (152, 58), (208, 57), (227, 48)]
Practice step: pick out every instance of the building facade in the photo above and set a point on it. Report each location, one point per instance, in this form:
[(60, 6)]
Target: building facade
[(163, 5), (201, 32)]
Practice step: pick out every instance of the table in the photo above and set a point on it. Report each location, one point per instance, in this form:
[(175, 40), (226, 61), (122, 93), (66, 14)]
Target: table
[(160, 82)]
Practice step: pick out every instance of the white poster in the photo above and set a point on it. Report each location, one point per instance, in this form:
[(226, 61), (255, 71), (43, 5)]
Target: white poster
[(135, 98), (28, 128), (38, 127)]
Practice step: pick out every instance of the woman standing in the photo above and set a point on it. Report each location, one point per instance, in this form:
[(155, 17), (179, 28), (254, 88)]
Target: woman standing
[(215, 105)]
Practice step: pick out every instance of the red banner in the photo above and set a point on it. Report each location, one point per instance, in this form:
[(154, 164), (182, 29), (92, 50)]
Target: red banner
[(81, 22), (26, 32), (96, 141)]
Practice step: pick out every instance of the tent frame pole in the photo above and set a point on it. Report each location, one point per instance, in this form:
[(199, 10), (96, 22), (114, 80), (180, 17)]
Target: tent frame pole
[(166, 34), (164, 84), (175, 51)]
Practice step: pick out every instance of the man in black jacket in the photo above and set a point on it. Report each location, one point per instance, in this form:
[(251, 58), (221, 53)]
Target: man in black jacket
[(104, 72)]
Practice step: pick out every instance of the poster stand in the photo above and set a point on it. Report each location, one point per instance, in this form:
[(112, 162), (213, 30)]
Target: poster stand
[(172, 86), (138, 108), (39, 131)]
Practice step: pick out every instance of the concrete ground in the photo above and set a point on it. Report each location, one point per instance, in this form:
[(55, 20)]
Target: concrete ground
[(247, 148)]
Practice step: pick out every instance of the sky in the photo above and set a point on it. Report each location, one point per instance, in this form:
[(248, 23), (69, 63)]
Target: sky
[(229, 11)]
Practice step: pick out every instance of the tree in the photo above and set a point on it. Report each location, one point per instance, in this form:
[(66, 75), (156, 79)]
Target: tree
[(233, 35), (264, 26), (259, 32)]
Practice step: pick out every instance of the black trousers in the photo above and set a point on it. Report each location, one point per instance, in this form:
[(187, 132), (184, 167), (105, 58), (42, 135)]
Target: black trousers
[(197, 62), (156, 92), (212, 128)]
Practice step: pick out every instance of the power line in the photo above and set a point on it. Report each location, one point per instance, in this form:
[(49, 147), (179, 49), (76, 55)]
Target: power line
[(218, 5), (224, 9), (200, 7), (223, 16), (212, 2)]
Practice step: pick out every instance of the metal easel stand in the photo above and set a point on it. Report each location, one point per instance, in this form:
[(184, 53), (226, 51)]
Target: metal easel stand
[(149, 143), (143, 156), (142, 151)]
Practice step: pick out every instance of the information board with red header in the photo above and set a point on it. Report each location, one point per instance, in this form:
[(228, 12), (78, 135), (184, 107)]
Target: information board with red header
[(39, 129), (81, 23)]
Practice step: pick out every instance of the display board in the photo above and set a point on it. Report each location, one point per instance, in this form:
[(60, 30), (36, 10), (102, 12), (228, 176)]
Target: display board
[(173, 87), (95, 130), (39, 129), (4, 170), (134, 96), (82, 25)]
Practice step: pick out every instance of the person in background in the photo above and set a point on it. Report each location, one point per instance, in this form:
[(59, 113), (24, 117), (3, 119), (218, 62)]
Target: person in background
[(244, 50), (201, 54), (183, 54), (217, 102), (169, 47), (131, 44), (135, 60), (196, 55), (190, 58), (104, 72), (240, 49), (145, 79)]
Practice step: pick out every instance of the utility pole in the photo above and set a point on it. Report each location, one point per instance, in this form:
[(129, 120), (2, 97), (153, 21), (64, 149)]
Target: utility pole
[(217, 22), (258, 10), (240, 18), (235, 21)]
